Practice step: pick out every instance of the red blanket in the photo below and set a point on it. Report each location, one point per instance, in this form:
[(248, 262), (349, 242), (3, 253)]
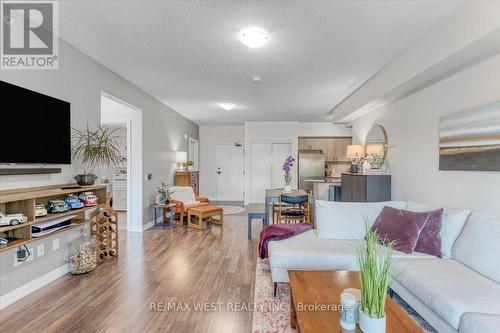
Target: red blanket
[(279, 231)]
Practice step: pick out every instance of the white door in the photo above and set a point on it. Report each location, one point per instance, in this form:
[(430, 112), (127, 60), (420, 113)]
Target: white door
[(280, 152), (261, 171), (230, 172)]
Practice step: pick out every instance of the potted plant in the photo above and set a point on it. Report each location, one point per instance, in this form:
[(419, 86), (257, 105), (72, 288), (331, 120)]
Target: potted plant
[(189, 165), (164, 192), (287, 166), (94, 147), (374, 262)]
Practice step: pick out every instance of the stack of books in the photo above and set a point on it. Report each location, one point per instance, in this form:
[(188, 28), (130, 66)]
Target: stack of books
[(374, 172)]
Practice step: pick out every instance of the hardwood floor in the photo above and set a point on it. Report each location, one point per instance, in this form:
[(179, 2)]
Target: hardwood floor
[(161, 265)]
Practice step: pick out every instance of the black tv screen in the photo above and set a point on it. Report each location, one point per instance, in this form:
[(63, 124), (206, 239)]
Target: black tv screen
[(36, 128)]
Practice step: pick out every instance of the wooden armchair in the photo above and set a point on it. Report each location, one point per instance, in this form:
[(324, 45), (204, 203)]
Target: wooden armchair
[(183, 197)]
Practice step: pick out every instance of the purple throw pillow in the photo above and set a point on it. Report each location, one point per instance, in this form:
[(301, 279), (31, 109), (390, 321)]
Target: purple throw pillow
[(401, 227), (429, 241)]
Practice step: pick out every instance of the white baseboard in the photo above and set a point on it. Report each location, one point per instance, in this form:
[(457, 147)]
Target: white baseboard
[(148, 225), (32, 286)]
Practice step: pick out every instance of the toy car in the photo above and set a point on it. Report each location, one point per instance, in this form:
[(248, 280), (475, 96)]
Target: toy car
[(73, 202), (57, 206), (40, 210), (12, 219), (88, 199)]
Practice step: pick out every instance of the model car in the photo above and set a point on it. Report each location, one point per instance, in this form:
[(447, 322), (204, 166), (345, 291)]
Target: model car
[(12, 219), (3, 241), (40, 210), (73, 202), (88, 199), (57, 206)]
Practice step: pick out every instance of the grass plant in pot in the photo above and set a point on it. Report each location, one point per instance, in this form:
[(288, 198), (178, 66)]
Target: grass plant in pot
[(94, 148), (374, 262)]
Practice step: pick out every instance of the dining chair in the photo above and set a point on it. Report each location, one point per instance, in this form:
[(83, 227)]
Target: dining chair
[(293, 209)]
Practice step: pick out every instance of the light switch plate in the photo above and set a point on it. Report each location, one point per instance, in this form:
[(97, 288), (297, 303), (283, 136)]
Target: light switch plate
[(55, 244)]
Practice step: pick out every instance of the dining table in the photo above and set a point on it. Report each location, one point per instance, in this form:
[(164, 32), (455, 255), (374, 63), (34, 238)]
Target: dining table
[(273, 195)]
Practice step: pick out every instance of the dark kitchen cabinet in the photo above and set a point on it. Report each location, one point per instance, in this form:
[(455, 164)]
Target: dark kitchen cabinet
[(365, 188)]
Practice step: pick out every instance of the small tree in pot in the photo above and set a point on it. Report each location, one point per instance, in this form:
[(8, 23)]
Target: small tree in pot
[(98, 147)]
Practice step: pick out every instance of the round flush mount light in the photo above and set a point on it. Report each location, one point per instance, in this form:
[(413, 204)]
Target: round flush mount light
[(254, 37), (256, 79), (227, 106)]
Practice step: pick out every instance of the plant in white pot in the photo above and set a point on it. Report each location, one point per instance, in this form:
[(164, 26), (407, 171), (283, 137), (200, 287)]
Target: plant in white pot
[(94, 148), (374, 262)]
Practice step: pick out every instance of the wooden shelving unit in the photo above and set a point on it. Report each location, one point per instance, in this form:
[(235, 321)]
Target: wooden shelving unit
[(23, 201)]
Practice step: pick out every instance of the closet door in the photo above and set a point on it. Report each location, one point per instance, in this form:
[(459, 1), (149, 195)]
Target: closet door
[(261, 171), (280, 152)]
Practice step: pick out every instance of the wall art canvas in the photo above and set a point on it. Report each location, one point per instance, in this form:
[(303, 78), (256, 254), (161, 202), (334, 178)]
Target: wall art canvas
[(470, 140)]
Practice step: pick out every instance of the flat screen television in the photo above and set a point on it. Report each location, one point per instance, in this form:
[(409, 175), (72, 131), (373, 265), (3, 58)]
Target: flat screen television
[(36, 128)]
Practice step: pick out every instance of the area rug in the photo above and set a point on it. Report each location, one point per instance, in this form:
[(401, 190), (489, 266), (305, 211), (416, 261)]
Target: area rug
[(228, 210), (272, 315)]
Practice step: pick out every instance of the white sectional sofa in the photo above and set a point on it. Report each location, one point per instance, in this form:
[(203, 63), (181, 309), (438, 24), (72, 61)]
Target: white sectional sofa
[(458, 293)]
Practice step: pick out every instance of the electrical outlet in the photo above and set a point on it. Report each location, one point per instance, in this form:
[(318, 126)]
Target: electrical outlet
[(31, 255), (55, 244), (40, 250)]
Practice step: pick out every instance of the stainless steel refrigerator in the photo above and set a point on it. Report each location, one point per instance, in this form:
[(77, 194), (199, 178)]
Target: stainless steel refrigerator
[(311, 168)]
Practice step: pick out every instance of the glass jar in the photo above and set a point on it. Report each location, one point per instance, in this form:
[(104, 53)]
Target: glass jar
[(83, 254)]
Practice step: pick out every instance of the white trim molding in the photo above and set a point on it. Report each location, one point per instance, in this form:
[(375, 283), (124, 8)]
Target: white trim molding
[(32, 286)]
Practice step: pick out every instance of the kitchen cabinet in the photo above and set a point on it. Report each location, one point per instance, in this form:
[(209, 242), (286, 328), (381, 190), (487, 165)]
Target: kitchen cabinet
[(365, 188), (334, 148)]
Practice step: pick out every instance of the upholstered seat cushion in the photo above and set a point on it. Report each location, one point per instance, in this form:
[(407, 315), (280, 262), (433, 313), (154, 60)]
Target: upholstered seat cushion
[(480, 323), (448, 288), (205, 209), (308, 251)]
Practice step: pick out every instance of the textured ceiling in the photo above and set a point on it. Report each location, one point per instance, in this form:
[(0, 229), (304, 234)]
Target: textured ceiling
[(188, 55)]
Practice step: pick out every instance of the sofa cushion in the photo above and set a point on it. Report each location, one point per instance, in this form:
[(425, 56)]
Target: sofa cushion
[(185, 194), (480, 323), (346, 220), (308, 251), (447, 287), (478, 246), (401, 227), (452, 223)]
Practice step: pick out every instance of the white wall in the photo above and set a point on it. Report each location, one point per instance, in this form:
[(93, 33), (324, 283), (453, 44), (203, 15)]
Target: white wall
[(324, 129), (210, 136), (261, 131), (412, 127)]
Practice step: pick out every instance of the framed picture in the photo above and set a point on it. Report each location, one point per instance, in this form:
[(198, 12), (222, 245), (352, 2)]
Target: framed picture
[(470, 140)]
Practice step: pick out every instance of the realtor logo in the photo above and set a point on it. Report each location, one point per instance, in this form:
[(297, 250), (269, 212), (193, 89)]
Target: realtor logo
[(29, 35)]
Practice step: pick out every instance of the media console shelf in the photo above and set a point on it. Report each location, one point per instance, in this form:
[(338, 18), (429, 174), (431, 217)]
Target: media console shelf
[(23, 201)]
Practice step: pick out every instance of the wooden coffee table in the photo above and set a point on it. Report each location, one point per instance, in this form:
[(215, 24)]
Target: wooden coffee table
[(323, 288)]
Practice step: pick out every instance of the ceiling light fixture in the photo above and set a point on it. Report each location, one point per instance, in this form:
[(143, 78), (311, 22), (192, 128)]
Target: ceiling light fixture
[(256, 78), (254, 37), (227, 106)]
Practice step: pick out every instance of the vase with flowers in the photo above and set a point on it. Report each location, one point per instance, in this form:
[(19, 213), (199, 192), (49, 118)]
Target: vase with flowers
[(287, 166)]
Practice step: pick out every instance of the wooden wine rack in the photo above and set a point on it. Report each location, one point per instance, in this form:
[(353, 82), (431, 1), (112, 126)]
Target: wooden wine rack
[(105, 228)]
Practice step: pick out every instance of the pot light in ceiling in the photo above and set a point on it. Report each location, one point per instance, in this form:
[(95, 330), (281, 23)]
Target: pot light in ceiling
[(256, 79), (227, 106), (254, 37)]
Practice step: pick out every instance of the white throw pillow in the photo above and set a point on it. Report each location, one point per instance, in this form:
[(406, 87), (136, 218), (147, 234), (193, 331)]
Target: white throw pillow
[(453, 222), (184, 194), (346, 220)]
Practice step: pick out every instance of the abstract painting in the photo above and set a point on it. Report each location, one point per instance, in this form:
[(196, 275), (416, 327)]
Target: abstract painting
[(470, 140)]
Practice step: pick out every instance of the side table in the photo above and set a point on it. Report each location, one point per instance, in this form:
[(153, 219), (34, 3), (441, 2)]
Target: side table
[(164, 208)]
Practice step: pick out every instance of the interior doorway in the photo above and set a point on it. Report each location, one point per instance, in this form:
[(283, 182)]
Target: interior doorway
[(230, 166), (126, 181), (193, 153)]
